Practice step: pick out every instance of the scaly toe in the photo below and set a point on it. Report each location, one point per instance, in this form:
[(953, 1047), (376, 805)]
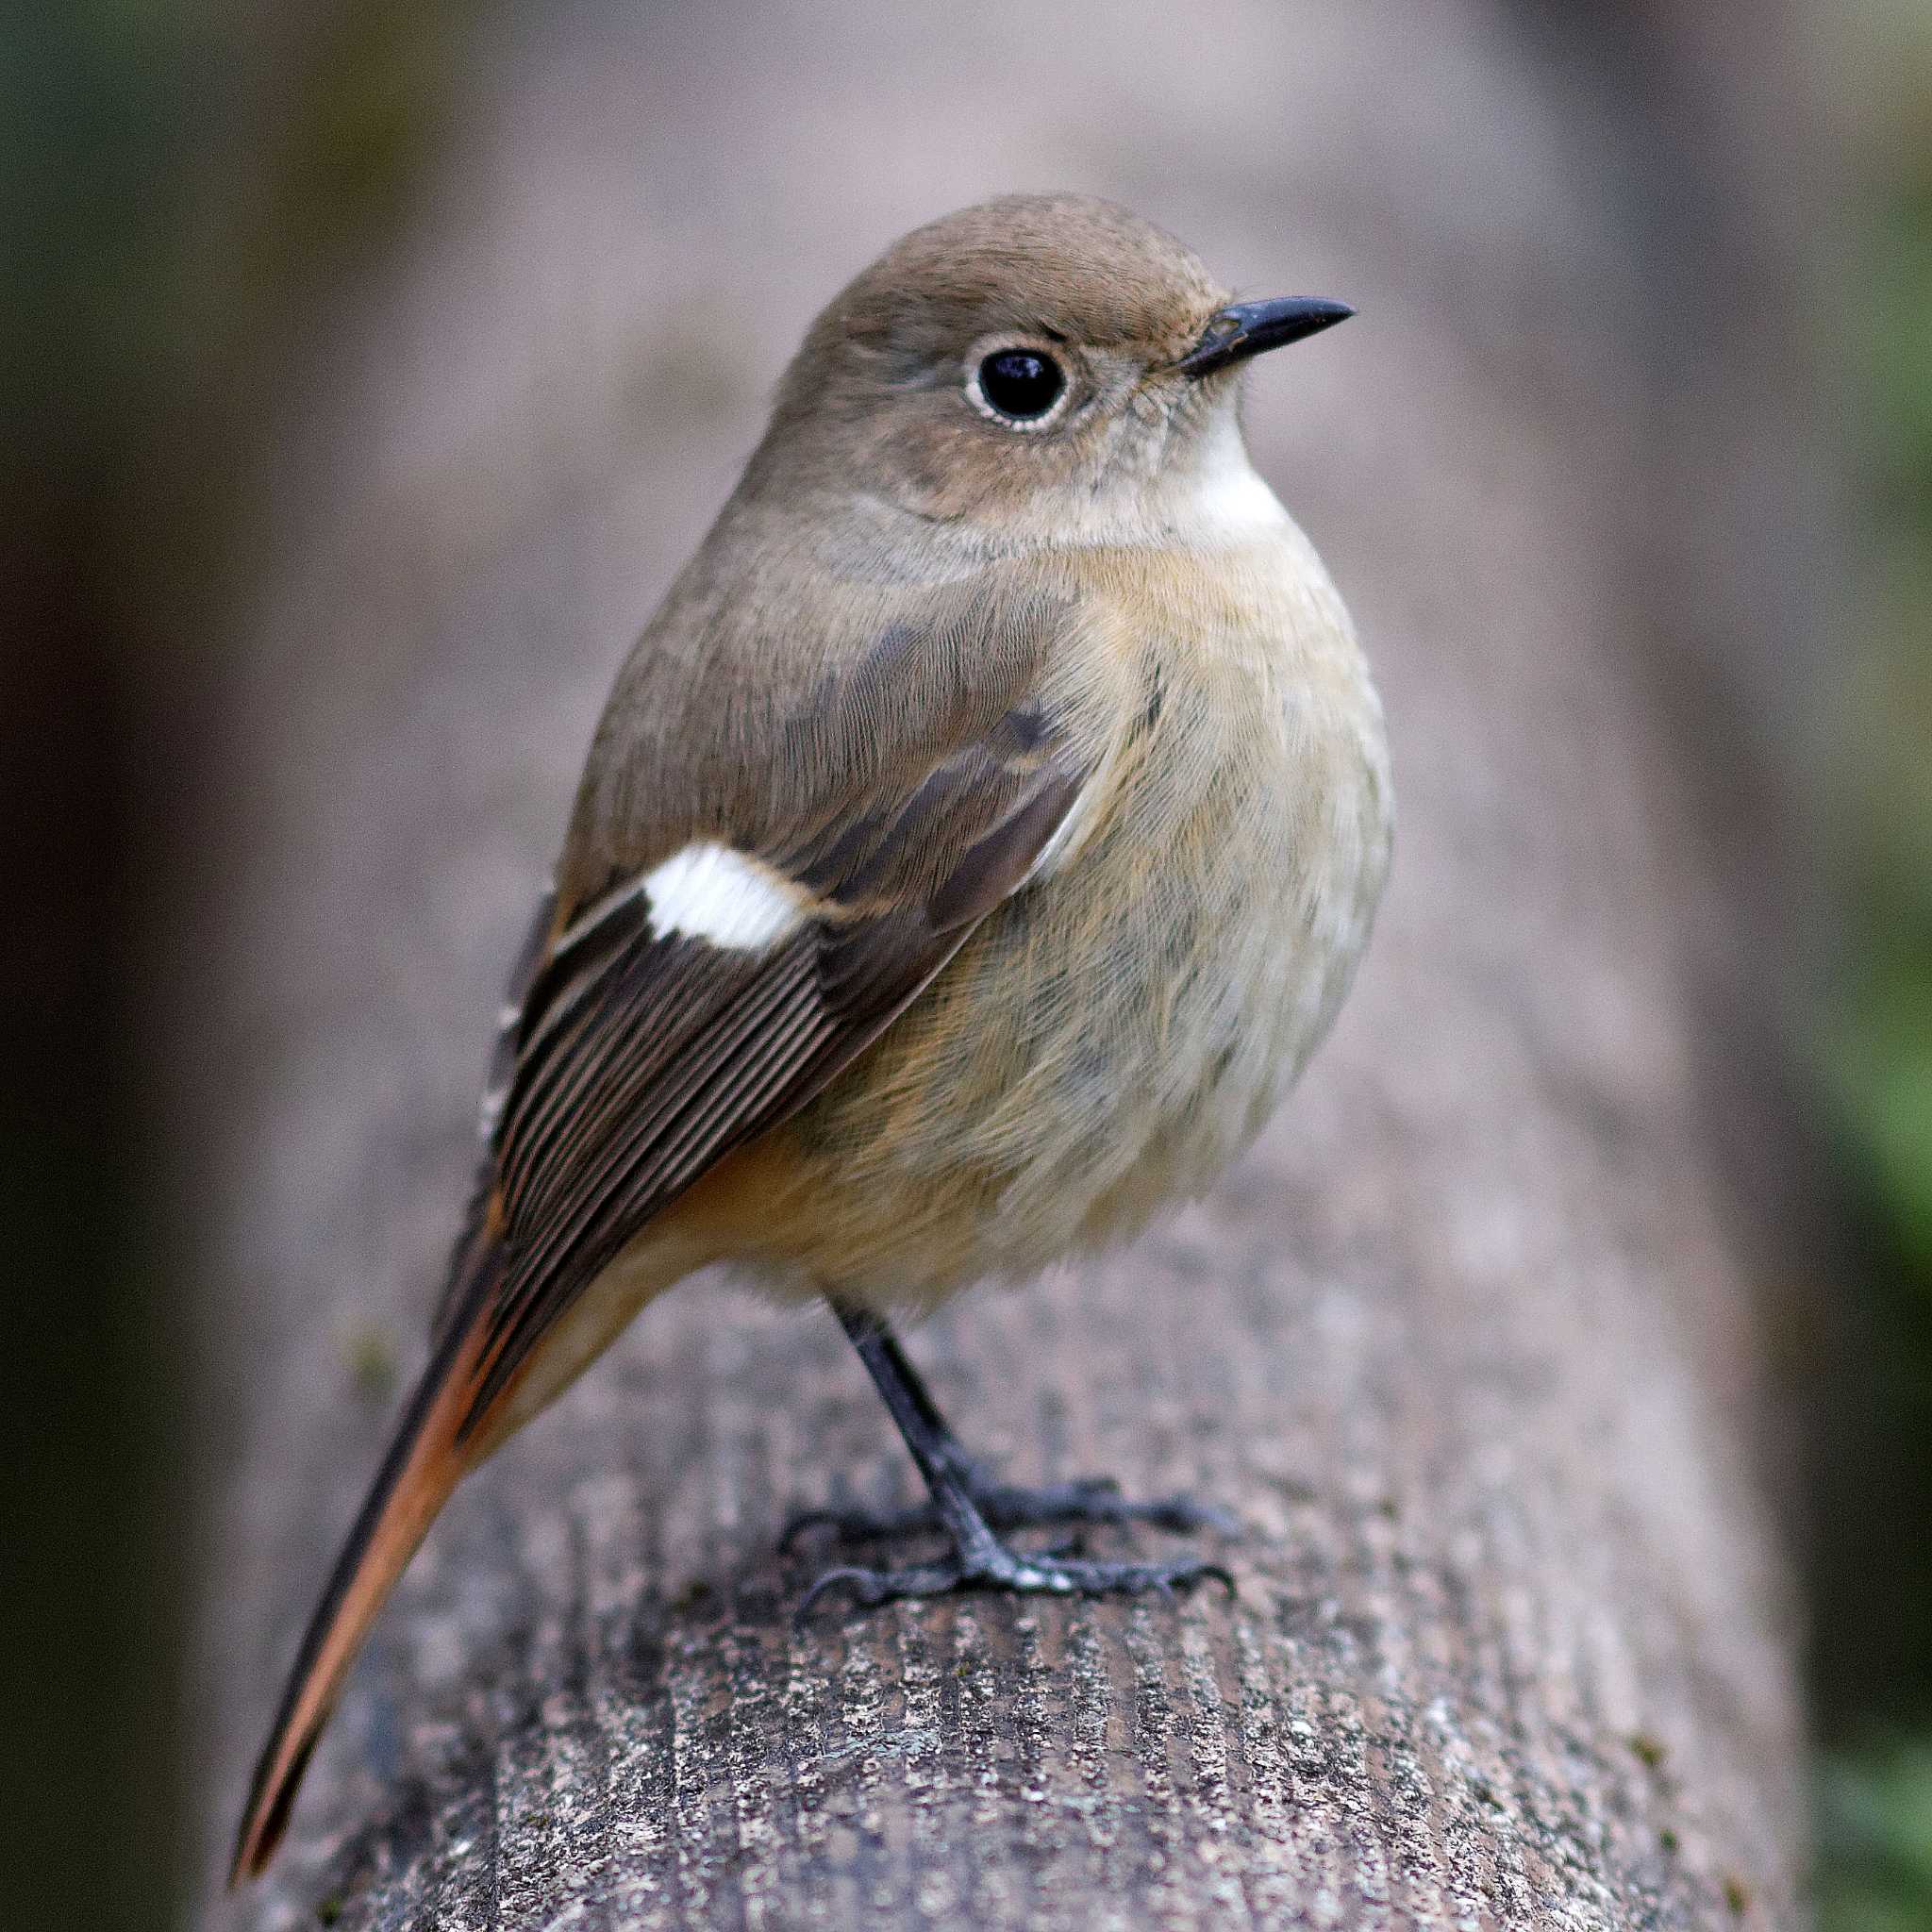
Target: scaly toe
[(858, 1525), (872, 1587), (1033, 1572)]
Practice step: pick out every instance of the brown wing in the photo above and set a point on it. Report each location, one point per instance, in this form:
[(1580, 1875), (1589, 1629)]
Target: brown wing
[(643, 1057)]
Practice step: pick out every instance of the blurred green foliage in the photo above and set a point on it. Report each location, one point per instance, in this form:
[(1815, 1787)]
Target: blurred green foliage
[(1883, 1047), (1882, 1044), (1876, 1840), (1875, 1799)]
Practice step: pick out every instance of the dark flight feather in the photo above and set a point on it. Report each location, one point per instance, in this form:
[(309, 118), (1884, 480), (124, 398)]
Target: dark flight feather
[(673, 1052)]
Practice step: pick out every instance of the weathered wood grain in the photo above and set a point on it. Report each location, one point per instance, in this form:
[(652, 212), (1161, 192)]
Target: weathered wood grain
[(1466, 1343)]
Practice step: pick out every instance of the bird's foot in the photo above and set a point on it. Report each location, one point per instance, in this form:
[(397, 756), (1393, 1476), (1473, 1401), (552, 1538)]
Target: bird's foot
[(1087, 1501), (1045, 1573)]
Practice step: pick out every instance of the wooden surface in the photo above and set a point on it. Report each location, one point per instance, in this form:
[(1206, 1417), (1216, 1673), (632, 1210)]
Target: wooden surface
[(1465, 1344)]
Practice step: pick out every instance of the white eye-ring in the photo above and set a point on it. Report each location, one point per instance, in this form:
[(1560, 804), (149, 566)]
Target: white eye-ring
[(1019, 385)]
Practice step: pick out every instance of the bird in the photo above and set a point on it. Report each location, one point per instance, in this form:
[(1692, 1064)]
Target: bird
[(972, 850)]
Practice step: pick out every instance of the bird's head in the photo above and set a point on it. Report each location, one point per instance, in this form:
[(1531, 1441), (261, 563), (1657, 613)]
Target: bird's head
[(1034, 367)]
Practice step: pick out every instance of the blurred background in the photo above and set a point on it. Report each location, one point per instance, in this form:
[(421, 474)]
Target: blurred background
[(200, 203)]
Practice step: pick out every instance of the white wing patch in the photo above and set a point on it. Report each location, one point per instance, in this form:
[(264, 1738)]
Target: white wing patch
[(707, 892)]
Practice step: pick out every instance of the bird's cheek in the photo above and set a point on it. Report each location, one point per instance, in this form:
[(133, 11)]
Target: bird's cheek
[(950, 470)]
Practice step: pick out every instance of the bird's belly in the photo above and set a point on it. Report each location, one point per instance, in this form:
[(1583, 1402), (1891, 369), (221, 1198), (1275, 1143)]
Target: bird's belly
[(1112, 1037)]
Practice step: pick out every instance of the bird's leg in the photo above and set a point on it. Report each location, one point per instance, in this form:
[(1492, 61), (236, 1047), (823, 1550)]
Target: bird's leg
[(970, 1508), (1085, 1500)]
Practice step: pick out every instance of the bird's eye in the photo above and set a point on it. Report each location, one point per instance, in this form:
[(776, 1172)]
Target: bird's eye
[(1020, 385)]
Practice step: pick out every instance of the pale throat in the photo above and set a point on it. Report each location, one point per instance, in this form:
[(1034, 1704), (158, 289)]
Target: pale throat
[(1223, 494), (1208, 496)]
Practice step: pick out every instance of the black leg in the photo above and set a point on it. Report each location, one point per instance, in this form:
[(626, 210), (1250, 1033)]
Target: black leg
[(1085, 1500), (968, 1507)]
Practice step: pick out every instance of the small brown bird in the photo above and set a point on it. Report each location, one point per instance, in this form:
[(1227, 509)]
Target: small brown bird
[(973, 848)]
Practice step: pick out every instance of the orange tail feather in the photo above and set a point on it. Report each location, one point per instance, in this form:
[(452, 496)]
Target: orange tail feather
[(423, 1464)]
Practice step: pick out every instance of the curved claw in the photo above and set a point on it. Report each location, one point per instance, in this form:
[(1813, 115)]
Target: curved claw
[(828, 1580), (872, 1587), (1221, 1573)]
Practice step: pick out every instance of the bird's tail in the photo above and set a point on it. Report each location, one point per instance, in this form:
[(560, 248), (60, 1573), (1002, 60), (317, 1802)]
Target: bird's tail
[(453, 1421), (425, 1462)]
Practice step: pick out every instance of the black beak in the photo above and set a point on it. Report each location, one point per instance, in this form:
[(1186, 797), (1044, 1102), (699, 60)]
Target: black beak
[(1246, 328)]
